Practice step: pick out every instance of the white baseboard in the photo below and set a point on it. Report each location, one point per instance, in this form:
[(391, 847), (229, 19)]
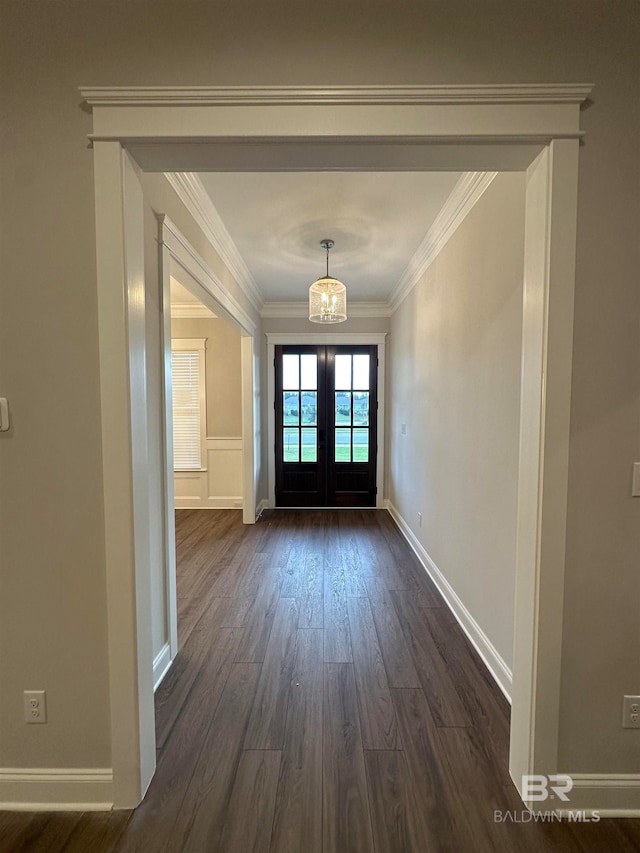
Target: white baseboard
[(194, 502), (483, 645), (56, 789), (607, 794), (161, 665)]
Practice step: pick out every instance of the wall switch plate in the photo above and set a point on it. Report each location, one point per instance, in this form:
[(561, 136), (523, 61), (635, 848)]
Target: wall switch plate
[(4, 414), (631, 712), (35, 706), (403, 429), (635, 488)]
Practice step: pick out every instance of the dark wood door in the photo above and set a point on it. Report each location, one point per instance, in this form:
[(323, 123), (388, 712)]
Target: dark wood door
[(326, 417)]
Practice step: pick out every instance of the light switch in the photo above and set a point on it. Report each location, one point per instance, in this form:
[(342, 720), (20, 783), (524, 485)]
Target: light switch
[(635, 488), (403, 429), (4, 414)]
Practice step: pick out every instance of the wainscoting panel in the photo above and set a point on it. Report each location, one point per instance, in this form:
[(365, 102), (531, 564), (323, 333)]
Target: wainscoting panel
[(217, 487)]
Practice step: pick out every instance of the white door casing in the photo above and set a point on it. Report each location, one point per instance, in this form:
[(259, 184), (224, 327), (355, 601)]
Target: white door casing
[(522, 127)]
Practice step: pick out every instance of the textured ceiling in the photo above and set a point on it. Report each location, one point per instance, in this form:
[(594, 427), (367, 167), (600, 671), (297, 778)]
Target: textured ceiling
[(377, 219)]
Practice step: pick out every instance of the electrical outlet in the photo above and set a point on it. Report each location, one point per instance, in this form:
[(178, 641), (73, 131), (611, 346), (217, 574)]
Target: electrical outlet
[(35, 706), (631, 712), (419, 519)]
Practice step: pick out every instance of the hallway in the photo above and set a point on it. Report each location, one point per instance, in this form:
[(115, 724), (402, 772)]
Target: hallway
[(324, 699)]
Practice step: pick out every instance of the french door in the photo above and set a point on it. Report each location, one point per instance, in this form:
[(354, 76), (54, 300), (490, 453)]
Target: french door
[(326, 416)]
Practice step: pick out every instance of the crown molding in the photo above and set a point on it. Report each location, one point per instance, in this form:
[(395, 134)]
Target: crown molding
[(522, 93), (282, 310), (466, 193), (189, 311), (191, 192), (184, 254)]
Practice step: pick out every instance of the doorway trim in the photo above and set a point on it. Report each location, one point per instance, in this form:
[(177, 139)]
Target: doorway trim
[(474, 128), (206, 287), (174, 248)]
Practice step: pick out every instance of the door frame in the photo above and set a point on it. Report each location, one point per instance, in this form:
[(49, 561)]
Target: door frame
[(324, 339), (174, 249), (527, 127), (204, 285)]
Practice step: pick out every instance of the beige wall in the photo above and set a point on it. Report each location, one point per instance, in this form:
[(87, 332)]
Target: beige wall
[(222, 370), (455, 348), (51, 535)]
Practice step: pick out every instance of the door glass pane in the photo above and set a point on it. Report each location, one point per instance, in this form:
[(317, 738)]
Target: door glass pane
[(291, 408), (309, 445), (343, 407), (309, 371), (291, 450), (343, 372), (361, 408), (361, 445), (360, 372), (291, 371), (310, 407), (343, 445)]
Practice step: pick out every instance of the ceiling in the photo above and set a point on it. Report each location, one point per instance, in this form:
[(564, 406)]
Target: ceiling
[(377, 220)]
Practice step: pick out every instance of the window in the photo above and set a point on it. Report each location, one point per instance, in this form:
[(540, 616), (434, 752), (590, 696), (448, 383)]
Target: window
[(300, 408), (189, 408), (352, 408)]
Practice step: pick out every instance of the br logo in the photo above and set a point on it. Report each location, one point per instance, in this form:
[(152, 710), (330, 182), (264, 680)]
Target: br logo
[(537, 787)]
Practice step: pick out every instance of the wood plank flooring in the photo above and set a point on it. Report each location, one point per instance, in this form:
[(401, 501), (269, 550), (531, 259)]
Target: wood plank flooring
[(323, 701)]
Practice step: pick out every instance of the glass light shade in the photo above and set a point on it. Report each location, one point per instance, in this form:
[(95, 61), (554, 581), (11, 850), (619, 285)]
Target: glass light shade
[(327, 301)]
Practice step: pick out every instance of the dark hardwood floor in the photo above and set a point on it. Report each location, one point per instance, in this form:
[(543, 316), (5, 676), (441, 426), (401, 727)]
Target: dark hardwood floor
[(324, 699)]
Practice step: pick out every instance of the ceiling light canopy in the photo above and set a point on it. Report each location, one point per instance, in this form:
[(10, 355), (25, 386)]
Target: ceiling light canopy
[(327, 296)]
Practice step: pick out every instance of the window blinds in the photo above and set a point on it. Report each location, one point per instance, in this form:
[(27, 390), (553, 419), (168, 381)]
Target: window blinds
[(187, 444)]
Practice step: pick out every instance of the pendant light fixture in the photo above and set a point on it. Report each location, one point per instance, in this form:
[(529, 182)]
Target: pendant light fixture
[(327, 296)]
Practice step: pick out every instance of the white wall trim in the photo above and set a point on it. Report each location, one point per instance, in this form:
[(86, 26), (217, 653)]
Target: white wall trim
[(56, 789), (280, 310), (493, 660), (190, 311), (161, 664), (611, 795), (220, 442), (521, 93), (251, 428), (200, 479), (485, 127), (204, 284), (170, 616), (192, 193), (224, 502), (464, 196), (207, 283)]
